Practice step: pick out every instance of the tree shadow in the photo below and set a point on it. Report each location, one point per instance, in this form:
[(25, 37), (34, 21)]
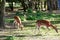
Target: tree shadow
[(28, 35)]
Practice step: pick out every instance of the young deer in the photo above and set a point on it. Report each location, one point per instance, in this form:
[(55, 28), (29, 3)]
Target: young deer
[(47, 23), (17, 21)]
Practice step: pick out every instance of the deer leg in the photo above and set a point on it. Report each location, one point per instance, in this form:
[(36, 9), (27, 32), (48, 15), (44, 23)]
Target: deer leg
[(18, 25), (21, 26), (14, 24), (38, 28), (35, 28), (47, 29)]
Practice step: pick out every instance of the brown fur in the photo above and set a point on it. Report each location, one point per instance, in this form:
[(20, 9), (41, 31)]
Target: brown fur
[(47, 23), (18, 22)]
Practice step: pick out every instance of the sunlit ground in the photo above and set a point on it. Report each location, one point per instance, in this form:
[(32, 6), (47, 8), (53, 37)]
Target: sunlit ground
[(30, 33)]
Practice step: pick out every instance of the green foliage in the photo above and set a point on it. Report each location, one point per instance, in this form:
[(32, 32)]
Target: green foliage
[(22, 18), (29, 10), (9, 20), (55, 22), (36, 16), (51, 15), (10, 38), (31, 17), (20, 14)]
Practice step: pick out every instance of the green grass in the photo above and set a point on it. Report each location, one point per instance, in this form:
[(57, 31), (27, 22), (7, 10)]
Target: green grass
[(8, 20), (56, 21)]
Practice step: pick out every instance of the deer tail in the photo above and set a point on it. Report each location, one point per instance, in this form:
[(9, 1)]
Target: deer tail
[(55, 28)]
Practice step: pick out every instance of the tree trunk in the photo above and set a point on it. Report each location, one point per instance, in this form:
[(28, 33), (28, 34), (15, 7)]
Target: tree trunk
[(49, 5), (2, 10), (11, 6), (23, 5), (54, 4)]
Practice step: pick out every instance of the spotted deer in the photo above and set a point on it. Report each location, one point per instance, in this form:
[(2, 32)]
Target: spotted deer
[(17, 21), (46, 23)]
